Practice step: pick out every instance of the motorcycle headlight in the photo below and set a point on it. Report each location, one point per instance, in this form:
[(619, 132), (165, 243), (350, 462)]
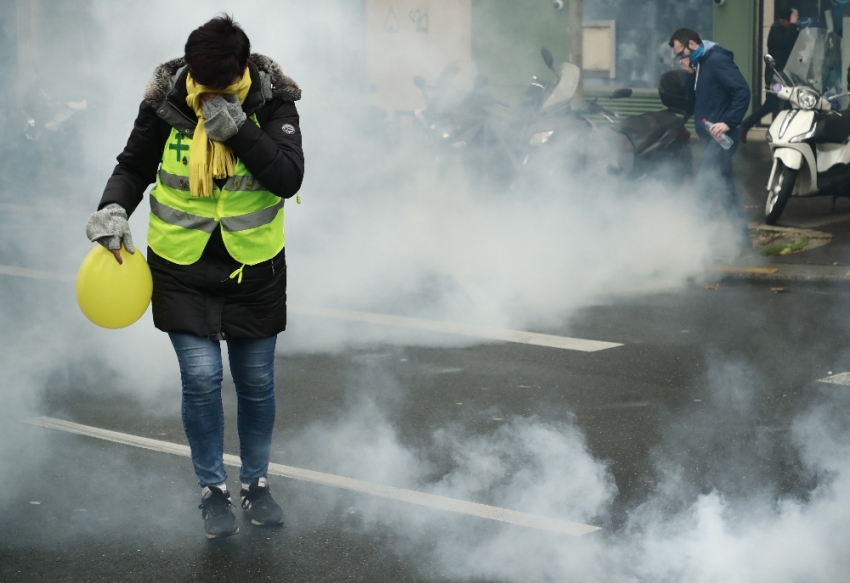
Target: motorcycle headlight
[(807, 98), (541, 138), (803, 137)]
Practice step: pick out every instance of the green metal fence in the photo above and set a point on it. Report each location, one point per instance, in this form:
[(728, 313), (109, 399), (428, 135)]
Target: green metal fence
[(641, 101)]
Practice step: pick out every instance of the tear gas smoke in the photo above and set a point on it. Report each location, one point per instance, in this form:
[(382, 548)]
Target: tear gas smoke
[(712, 516), (381, 231)]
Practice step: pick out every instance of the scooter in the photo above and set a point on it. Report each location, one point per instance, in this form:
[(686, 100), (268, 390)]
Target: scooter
[(517, 146), (555, 134), (461, 125), (810, 142), (501, 146), (657, 140)]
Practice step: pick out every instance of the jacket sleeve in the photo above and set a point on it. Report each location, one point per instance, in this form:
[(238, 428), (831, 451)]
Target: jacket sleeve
[(736, 87), (137, 164), (272, 152)]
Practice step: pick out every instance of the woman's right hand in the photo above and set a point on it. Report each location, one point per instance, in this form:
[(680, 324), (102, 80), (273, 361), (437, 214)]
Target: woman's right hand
[(109, 227)]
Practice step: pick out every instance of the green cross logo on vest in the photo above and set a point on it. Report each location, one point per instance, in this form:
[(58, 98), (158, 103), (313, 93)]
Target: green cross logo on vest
[(251, 217), (178, 146)]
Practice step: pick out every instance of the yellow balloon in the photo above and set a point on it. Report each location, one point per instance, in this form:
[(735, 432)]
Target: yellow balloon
[(110, 294)]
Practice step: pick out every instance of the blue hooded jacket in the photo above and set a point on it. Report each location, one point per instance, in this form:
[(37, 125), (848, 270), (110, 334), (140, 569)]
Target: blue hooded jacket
[(719, 90)]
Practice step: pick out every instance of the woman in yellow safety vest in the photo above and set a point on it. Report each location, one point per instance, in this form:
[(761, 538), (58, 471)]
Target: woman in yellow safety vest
[(218, 136)]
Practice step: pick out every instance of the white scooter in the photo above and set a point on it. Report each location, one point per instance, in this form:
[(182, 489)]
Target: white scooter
[(811, 141)]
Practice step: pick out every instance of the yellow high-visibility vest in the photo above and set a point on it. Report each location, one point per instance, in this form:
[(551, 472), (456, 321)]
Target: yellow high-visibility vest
[(250, 216)]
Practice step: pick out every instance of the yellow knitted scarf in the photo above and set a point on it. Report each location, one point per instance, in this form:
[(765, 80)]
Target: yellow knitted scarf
[(210, 159)]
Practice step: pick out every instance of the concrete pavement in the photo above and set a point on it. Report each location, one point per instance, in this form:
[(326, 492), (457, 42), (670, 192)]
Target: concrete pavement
[(827, 263)]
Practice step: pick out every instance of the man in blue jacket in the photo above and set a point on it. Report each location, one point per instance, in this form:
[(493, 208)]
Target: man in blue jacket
[(721, 97)]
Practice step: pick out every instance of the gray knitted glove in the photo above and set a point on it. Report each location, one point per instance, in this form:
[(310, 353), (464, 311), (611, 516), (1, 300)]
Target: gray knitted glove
[(109, 227), (223, 117)]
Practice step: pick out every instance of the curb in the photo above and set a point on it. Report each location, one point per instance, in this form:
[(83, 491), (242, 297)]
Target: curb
[(806, 273)]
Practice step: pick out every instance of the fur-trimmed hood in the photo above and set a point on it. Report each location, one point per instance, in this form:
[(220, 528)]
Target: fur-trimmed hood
[(272, 77)]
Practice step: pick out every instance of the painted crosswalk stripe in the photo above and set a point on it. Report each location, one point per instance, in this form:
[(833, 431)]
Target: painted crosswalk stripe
[(35, 273), (471, 330), (439, 326), (525, 519), (837, 379)]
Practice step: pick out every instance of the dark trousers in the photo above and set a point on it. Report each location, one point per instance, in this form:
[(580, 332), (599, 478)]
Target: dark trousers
[(715, 182), (771, 105)]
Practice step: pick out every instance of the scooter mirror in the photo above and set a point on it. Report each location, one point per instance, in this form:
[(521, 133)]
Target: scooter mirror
[(419, 82), (621, 93), (548, 58), (770, 61)]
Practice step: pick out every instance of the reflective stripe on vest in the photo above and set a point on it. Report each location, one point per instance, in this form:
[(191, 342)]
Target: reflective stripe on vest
[(181, 225), (234, 183), (184, 220)]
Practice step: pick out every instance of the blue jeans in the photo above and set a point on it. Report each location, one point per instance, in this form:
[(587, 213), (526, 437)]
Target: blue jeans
[(252, 367)]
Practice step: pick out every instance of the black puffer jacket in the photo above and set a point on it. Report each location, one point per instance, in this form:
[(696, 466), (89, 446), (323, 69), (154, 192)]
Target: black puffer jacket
[(201, 298)]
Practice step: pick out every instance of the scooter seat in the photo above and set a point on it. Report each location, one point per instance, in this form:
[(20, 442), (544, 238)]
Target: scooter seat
[(833, 129), (647, 128)]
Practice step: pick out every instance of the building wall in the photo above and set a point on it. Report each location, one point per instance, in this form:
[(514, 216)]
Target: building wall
[(405, 38), (55, 39), (643, 30), (736, 29), (507, 36)]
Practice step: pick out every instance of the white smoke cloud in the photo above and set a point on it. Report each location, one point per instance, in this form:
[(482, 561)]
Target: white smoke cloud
[(380, 230), (681, 533)]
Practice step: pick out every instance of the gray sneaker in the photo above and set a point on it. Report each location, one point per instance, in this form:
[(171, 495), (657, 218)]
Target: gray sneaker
[(215, 509), (259, 506)]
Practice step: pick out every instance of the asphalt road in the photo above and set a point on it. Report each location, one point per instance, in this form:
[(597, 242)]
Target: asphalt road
[(704, 393), (702, 378)]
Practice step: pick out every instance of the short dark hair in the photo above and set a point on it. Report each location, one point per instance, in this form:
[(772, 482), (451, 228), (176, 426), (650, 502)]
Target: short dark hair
[(785, 14), (684, 35), (217, 52)]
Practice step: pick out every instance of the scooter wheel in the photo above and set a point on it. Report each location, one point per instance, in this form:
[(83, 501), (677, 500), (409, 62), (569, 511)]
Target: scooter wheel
[(779, 193)]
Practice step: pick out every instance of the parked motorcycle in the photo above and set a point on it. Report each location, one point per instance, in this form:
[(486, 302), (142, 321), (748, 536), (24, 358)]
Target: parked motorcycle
[(463, 126), (554, 135), (657, 140), (810, 142), (503, 146)]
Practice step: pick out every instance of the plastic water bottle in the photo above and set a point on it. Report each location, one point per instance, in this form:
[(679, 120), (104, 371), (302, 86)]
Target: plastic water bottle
[(724, 140)]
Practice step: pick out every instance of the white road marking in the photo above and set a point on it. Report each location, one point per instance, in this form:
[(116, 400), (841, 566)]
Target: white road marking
[(838, 379), (35, 273), (42, 210), (498, 334), (471, 330), (534, 521)]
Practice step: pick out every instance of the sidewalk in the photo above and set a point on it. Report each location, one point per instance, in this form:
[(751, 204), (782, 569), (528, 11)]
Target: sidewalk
[(827, 263)]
